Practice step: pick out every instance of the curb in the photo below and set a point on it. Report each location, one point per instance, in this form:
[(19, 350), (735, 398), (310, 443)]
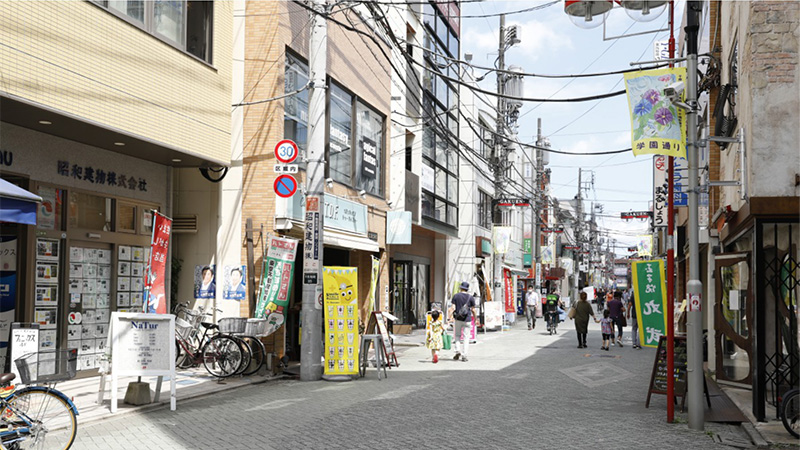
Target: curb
[(755, 436)]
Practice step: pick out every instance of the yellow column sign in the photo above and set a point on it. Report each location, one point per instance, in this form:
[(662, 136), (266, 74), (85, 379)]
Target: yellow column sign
[(341, 320)]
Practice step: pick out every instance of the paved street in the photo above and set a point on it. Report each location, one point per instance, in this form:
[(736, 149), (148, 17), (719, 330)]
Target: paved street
[(520, 389)]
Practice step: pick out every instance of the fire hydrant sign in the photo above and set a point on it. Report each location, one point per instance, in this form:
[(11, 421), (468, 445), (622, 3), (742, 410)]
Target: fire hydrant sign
[(142, 344)]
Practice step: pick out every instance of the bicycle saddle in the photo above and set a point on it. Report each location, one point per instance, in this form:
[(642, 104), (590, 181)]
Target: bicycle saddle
[(209, 325), (7, 377)]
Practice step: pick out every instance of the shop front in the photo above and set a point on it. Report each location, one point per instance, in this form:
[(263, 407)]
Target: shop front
[(85, 256)]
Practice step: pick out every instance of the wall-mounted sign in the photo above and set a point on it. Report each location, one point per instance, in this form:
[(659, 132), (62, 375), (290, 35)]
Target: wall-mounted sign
[(398, 227), (339, 214), (369, 151), (101, 176)]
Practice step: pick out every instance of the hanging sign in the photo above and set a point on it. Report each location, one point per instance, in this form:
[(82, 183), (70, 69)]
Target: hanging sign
[(155, 288), (651, 300), (657, 126)]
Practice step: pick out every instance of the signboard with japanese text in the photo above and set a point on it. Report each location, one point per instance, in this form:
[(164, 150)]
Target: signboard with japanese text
[(660, 191), (341, 320), (508, 291), (157, 265), (651, 300), (339, 213), (657, 126), (311, 240), (276, 288)]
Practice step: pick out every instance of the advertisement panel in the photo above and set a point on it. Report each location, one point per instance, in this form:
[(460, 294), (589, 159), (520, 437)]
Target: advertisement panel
[(341, 320), (278, 268)]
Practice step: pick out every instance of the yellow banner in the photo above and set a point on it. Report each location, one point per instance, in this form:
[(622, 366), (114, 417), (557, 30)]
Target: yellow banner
[(340, 285), (657, 126)]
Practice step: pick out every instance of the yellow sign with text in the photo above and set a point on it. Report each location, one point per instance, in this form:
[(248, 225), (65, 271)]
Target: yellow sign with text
[(341, 320)]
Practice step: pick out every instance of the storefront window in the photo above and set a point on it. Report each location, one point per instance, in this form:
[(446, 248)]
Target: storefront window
[(369, 155), (295, 112), (89, 212), (340, 151)]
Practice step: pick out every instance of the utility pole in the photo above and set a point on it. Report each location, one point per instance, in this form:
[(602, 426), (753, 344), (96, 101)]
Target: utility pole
[(694, 319), (536, 210), (499, 146), (578, 219), (311, 354)]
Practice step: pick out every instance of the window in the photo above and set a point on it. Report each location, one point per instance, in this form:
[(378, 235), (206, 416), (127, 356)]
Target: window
[(126, 217), (484, 210), (89, 212), (340, 151), (369, 138), (187, 25), (295, 109)]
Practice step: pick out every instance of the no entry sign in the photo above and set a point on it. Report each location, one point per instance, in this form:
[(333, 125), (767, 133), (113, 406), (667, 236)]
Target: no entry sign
[(286, 151), (285, 186)]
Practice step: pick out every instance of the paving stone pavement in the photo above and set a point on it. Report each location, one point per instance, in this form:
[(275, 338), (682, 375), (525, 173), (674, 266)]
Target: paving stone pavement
[(519, 389)]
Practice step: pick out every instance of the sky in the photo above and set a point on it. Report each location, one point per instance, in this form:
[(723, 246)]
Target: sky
[(552, 44)]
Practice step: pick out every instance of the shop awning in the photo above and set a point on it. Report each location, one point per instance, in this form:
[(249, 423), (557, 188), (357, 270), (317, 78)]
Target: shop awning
[(516, 271), (349, 241), (17, 205)]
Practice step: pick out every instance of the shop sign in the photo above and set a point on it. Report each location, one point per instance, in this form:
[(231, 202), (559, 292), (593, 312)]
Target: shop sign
[(311, 244), (483, 246), (340, 214), (101, 176), (369, 151), (6, 158), (398, 227), (526, 245), (660, 191), (508, 291), (651, 301)]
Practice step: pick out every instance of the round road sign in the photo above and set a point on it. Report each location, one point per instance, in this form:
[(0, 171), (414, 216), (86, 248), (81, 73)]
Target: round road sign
[(286, 151), (285, 186)]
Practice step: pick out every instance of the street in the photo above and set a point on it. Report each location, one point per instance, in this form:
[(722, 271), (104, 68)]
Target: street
[(520, 389)]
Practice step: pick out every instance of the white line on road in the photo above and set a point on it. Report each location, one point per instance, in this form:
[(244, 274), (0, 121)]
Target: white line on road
[(276, 404), (335, 387), (402, 392)]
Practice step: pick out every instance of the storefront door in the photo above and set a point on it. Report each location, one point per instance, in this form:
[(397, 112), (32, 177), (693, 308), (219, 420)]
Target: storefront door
[(410, 281), (733, 318)]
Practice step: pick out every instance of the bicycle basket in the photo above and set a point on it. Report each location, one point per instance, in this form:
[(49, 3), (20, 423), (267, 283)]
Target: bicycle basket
[(47, 367), (232, 325), (183, 327), (256, 327)]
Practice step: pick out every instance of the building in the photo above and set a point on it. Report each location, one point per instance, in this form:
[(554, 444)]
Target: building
[(105, 105)]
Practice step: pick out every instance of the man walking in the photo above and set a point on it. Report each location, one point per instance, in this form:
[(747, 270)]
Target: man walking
[(531, 302), (462, 307)]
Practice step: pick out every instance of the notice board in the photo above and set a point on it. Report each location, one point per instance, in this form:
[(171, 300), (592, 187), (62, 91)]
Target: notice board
[(658, 378)]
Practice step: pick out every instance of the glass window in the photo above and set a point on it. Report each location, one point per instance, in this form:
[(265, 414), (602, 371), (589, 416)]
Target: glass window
[(484, 210), (453, 45), (441, 30), (427, 205), (147, 221), (452, 189), (452, 215), (428, 142), (89, 212), (369, 160), (295, 110), (441, 182), (428, 15), (340, 127), (126, 217), (199, 17), (133, 9), (168, 19), (441, 150), (440, 211)]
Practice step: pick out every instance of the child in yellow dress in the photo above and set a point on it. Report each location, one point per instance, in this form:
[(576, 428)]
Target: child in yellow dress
[(433, 336)]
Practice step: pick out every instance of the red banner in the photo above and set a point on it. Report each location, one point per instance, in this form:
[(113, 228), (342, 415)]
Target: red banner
[(155, 290), (509, 291)]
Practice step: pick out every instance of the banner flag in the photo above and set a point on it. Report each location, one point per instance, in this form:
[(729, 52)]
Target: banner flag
[(341, 320), (273, 298), (657, 126), (651, 300), (645, 245), (508, 291), (154, 289)]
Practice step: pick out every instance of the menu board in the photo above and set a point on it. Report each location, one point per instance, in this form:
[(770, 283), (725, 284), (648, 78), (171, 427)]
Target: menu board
[(89, 304), (48, 270), (658, 378)]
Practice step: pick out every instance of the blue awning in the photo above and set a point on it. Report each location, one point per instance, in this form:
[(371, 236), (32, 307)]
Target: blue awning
[(17, 205)]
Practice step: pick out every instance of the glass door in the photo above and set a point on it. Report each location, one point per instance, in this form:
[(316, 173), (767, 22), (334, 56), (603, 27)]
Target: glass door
[(420, 292), (401, 291), (733, 318)]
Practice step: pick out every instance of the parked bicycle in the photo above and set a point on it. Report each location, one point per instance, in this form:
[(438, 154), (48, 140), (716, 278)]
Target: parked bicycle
[(253, 329), (222, 355), (790, 411), (39, 416)]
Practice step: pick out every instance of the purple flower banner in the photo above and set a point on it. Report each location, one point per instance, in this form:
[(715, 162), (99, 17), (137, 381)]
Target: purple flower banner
[(657, 126)]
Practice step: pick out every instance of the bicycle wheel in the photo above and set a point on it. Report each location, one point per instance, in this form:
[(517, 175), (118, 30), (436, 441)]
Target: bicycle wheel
[(790, 413), (222, 356), (247, 355), (53, 422), (183, 359), (258, 354)]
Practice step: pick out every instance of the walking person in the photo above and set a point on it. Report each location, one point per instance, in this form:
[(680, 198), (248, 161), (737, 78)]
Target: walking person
[(532, 299), (462, 308), (433, 336), (616, 314), (634, 322), (607, 328), (583, 310)]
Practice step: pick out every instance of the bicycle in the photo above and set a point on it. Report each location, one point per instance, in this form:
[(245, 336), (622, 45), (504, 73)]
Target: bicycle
[(552, 322), (254, 328), (187, 327), (39, 416), (790, 411), (221, 355)]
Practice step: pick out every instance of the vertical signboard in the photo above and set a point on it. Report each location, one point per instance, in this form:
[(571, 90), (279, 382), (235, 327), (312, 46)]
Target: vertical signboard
[(651, 300), (660, 191), (311, 243), (508, 291), (155, 290), (277, 285), (341, 320)]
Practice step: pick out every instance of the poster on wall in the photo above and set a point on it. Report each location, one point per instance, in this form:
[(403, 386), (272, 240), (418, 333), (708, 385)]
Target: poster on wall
[(234, 283), (49, 211), (277, 285), (340, 285), (47, 250), (205, 284), (8, 288)]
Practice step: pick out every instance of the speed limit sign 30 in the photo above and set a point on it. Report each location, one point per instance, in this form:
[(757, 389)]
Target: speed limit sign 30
[(286, 151)]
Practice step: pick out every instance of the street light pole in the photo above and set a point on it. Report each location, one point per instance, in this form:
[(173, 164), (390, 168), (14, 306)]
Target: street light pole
[(498, 147), (694, 322), (537, 209)]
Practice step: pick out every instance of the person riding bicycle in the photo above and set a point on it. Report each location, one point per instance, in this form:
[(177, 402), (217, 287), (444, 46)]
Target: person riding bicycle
[(551, 305)]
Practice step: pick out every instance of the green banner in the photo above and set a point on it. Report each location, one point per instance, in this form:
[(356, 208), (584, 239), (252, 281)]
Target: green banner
[(276, 288), (651, 301), (526, 246)]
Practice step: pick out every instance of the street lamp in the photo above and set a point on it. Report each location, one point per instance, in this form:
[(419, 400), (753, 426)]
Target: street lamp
[(584, 12)]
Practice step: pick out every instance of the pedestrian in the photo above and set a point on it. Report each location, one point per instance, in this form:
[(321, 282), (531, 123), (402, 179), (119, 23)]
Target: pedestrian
[(607, 328), (583, 309), (601, 296), (614, 307), (462, 308), (531, 303), (433, 336), (634, 322)]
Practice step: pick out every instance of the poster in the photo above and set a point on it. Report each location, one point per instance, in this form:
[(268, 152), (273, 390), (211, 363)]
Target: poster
[(205, 283), (341, 320), (277, 285), (493, 315), (49, 211), (657, 126), (155, 282), (234, 283), (8, 287), (651, 300), (508, 291)]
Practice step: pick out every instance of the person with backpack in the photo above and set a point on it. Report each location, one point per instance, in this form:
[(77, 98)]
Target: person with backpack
[(462, 308)]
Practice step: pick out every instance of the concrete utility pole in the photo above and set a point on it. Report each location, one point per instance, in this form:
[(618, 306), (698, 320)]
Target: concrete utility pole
[(311, 354), (578, 219), (499, 147), (537, 208), (694, 318)]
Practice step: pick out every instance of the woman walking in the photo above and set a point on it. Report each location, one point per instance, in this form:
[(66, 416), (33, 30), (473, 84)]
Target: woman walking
[(583, 309)]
